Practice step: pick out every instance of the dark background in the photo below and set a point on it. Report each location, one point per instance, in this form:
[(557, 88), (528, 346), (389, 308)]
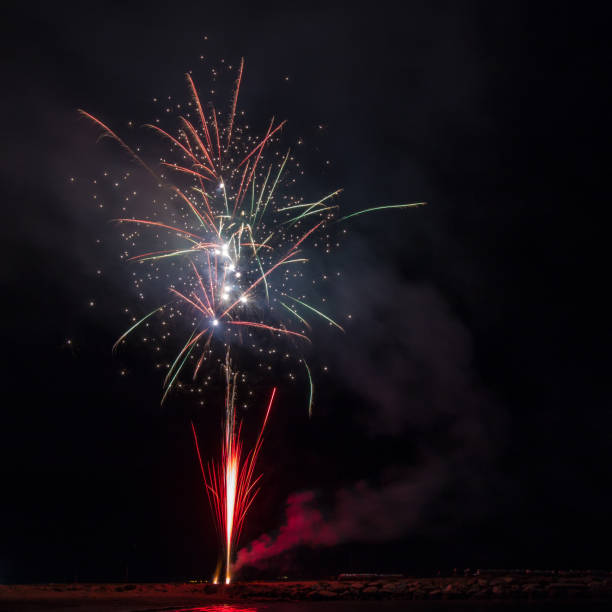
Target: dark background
[(488, 111)]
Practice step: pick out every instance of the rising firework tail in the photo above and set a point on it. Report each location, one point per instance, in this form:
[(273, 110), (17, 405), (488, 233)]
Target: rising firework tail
[(231, 484)]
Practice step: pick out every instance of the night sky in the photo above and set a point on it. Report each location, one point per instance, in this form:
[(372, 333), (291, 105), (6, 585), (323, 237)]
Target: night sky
[(463, 420)]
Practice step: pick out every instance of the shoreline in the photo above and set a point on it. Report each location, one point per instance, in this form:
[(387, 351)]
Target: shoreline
[(482, 588)]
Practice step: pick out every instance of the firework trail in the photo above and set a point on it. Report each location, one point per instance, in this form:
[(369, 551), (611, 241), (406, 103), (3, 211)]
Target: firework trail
[(233, 241), (230, 483)]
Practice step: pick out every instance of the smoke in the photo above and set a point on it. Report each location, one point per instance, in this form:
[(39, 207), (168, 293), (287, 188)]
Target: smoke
[(406, 354), (304, 526), (360, 513), (409, 357)]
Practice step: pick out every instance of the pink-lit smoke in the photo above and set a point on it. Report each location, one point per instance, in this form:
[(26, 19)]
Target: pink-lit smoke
[(360, 513), (419, 383)]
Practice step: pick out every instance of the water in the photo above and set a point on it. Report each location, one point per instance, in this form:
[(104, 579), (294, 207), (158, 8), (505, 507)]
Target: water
[(409, 606)]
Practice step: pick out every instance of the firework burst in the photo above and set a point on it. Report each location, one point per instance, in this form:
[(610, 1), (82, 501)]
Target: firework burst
[(232, 239), (232, 242)]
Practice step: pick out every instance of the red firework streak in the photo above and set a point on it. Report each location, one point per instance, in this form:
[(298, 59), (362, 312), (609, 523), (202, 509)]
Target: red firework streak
[(230, 482), (225, 245)]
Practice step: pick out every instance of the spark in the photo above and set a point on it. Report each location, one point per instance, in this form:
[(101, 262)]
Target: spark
[(226, 231), (255, 240), (230, 483)]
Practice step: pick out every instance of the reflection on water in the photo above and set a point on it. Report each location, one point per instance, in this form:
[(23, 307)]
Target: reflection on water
[(219, 608), (412, 606)]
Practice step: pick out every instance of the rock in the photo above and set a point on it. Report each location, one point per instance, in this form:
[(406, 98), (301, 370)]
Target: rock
[(328, 594), (370, 590), (393, 588), (413, 585), (565, 588)]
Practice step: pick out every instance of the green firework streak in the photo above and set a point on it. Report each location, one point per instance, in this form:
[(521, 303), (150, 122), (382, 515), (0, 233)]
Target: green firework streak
[(131, 329), (311, 390), (177, 373), (389, 207), (295, 314), (314, 310), (178, 357)]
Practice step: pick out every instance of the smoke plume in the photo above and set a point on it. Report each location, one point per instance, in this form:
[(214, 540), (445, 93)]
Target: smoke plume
[(360, 513), (409, 358)]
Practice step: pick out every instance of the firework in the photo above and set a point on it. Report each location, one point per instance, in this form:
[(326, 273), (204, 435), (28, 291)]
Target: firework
[(231, 238), (231, 241), (230, 483)]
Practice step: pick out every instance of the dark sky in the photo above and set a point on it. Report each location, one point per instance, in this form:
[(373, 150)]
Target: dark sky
[(465, 418)]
